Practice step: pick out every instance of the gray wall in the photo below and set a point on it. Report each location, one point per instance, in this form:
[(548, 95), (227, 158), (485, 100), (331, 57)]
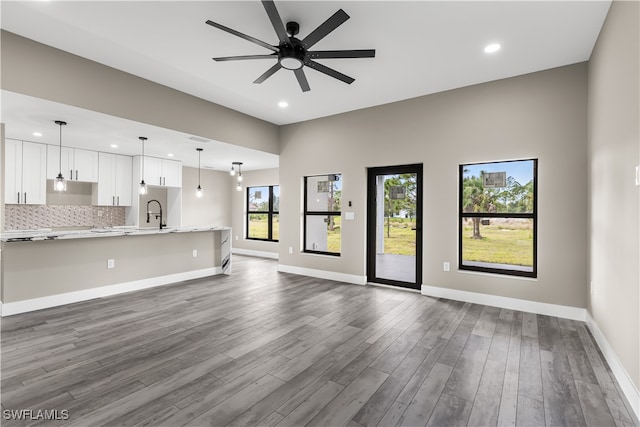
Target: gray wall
[(614, 152), (38, 70), (213, 208), (239, 205), (77, 264), (541, 115)]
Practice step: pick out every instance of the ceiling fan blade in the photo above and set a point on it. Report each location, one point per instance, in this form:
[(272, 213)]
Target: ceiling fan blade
[(325, 28), (243, 36), (268, 73), (236, 58), (302, 79), (361, 53), (276, 21), (329, 71)]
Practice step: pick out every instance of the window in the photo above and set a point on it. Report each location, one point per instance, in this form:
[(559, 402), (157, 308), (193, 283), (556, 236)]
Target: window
[(498, 219), (263, 204), (322, 218)]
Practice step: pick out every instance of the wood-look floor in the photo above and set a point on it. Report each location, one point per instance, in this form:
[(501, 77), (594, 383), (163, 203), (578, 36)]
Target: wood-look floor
[(266, 348)]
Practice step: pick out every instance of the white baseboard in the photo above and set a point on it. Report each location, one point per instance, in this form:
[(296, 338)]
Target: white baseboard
[(10, 308), (566, 312), (322, 274), (629, 389), (260, 254)]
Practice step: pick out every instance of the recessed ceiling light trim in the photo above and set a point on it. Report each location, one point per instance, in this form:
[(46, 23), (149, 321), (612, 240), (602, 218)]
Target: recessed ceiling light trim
[(283, 104), (492, 48)]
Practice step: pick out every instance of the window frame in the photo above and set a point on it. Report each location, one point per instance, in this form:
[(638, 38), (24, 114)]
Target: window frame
[(306, 213), (533, 216), (270, 213)]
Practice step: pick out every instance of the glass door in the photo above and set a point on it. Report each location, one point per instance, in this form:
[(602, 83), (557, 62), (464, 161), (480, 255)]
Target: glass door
[(394, 225)]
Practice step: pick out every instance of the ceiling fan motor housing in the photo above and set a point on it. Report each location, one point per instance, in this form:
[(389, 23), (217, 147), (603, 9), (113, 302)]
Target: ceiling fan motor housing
[(292, 55)]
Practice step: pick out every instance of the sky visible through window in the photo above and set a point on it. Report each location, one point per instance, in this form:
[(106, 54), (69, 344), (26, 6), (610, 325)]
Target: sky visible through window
[(521, 171)]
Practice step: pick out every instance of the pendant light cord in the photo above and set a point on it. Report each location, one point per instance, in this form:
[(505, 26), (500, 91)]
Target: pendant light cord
[(60, 153)]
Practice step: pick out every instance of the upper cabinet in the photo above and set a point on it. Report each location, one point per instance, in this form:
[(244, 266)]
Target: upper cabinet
[(162, 172), (75, 164), (25, 172), (114, 180)]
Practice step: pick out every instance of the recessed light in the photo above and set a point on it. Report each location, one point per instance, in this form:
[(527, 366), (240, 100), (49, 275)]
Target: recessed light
[(492, 48), (114, 145), (170, 154), (37, 134), (283, 104)]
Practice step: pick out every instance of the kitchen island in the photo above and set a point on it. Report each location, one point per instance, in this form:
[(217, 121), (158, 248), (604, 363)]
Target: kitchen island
[(48, 268)]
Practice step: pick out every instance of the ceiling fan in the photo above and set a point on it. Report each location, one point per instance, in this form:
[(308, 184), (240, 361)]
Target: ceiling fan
[(292, 53)]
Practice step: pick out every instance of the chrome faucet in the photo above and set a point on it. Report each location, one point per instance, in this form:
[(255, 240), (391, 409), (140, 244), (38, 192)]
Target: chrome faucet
[(157, 214)]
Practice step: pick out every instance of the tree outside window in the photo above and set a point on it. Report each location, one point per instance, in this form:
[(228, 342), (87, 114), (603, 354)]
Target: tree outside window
[(262, 213), (498, 217)]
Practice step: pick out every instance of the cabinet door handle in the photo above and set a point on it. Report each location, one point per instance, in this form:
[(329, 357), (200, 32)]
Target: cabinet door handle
[(164, 180), (70, 173), (18, 197), (76, 174), (25, 197), (113, 200), (118, 201)]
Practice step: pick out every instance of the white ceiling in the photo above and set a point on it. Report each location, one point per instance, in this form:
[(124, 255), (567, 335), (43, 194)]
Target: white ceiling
[(422, 47)]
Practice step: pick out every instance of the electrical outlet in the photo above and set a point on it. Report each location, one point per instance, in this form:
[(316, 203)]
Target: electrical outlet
[(195, 253), (592, 287), (446, 266), (111, 263), (236, 237), (290, 249)]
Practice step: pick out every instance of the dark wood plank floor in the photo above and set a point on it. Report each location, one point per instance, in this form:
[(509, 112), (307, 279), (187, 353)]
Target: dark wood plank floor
[(266, 348)]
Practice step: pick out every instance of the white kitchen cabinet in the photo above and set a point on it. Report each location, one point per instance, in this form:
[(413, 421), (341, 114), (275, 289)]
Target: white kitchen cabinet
[(162, 172), (171, 173), (114, 180), (76, 164), (25, 173)]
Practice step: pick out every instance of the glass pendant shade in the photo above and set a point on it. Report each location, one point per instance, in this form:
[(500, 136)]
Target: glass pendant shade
[(59, 184)]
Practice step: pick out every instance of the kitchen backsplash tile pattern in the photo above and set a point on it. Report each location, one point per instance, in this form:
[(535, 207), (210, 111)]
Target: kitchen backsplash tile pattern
[(33, 217)]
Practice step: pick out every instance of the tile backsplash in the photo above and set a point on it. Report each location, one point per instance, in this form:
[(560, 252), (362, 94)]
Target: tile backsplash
[(33, 217)]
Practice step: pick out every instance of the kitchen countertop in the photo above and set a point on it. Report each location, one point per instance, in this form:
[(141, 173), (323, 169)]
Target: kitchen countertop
[(48, 234)]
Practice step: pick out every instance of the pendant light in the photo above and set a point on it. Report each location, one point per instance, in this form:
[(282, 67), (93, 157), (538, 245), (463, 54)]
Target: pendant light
[(199, 189), (59, 184), (239, 165), (143, 186)]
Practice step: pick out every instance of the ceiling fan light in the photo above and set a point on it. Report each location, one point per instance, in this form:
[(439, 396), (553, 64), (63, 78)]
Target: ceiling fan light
[(291, 63)]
